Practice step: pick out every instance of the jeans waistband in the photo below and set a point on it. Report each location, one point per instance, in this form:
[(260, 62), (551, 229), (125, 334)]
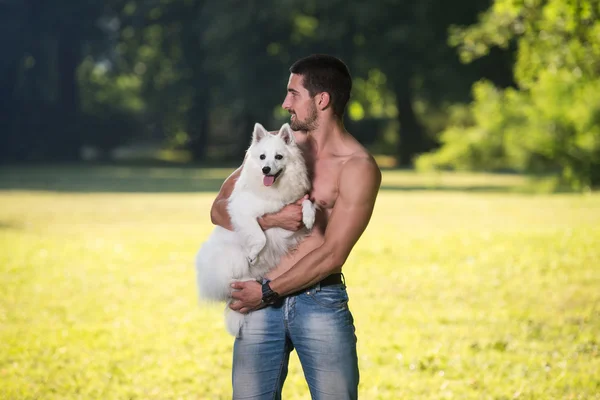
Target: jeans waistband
[(333, 279)]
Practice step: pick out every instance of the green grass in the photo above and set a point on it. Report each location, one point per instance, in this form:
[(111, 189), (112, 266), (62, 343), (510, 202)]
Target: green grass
[(463, 286)]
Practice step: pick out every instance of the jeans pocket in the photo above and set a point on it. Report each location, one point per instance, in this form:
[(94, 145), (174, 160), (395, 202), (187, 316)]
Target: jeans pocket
[(334, 296)]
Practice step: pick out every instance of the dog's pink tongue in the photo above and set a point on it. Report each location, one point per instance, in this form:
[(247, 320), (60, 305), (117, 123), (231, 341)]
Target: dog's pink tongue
[(268, 180)]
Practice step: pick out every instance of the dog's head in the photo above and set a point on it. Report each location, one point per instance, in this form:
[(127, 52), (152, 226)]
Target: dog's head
[(272, 152)]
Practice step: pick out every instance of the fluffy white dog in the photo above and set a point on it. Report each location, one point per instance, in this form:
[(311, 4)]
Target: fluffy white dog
[(273, 175)]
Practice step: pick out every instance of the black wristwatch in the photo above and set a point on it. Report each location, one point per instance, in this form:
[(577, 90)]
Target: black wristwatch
[(268, 295)]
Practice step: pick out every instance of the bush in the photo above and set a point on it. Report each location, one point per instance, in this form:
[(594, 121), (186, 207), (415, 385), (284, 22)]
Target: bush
[(554, 126), (551, 122)]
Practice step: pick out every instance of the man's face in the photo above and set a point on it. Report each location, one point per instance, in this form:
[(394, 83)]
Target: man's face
[(300, 105)]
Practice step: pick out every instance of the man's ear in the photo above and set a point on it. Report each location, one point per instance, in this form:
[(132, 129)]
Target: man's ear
[(287, 134), (259, 133), (323, 100)]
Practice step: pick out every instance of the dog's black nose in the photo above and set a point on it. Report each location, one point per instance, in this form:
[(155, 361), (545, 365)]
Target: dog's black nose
[(266, 170)]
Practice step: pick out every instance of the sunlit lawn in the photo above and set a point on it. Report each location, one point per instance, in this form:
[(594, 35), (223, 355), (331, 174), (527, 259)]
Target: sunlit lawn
[(464, 286)]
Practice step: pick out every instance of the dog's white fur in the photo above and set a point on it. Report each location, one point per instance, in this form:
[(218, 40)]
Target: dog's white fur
[(248, 252)]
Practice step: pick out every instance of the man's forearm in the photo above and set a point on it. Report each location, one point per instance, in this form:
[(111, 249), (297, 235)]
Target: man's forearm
[(312, 268), (264, 222), (220, 216)]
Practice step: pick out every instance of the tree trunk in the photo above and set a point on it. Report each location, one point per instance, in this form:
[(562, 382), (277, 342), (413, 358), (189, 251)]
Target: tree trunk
[(71, 139), (198, 126), (9, 107), (198, 117), (411, 132), (246, 124)]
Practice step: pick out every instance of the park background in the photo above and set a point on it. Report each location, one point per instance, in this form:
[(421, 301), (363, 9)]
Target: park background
[(478, 277)]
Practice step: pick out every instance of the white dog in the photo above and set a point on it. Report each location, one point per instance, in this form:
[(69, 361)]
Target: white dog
[(273, 175)]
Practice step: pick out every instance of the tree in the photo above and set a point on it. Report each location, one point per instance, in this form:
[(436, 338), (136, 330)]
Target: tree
[(551, 121), (40, 80)]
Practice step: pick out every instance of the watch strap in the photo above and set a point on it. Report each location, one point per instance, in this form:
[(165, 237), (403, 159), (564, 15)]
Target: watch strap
[(269, 296)]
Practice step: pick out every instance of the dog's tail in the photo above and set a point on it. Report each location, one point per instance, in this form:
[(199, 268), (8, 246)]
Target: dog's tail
[(233, 321)]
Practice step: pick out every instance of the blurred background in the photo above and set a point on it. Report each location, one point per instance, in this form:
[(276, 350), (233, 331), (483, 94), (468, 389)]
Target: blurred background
[(481, 85), (477, 277)]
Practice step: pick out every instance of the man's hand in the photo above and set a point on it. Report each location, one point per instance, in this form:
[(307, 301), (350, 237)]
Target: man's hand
[(289, 217), (247, 296)]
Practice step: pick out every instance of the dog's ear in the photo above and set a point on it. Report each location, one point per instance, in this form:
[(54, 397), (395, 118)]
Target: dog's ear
[(287, 134), (259, 133)]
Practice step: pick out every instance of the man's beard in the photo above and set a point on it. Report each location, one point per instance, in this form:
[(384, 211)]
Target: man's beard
[(309, 124)]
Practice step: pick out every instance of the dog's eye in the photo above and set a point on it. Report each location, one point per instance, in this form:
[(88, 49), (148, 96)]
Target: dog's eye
[(262, 157), (278, 157)]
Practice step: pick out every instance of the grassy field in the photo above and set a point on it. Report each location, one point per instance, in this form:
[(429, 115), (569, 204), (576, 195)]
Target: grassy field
[(463, 286)]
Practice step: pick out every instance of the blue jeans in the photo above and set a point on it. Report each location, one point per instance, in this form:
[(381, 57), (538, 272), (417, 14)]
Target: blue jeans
[(319, 325)]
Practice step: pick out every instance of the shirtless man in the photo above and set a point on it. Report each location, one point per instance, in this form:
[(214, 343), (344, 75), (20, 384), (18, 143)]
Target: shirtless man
[(303, 303)]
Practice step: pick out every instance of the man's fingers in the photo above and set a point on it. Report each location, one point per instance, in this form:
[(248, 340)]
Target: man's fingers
[(237, 285), (239, 307)]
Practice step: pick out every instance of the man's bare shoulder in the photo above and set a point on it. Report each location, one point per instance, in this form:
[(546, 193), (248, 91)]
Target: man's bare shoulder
[(362, 161), (362, 166), (358, 153), (360, 157)]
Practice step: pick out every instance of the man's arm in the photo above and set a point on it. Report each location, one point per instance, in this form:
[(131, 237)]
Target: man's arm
[(349, 218), (218, 211)]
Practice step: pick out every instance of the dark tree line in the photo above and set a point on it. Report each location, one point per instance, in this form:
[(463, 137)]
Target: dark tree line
[(198, 73)]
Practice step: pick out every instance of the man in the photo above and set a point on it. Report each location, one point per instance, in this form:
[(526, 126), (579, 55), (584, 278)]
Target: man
[(303, 303)]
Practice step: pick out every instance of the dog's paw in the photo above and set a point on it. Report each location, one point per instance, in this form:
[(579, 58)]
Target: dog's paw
[(308, 213), (252, 256), (254, 250)]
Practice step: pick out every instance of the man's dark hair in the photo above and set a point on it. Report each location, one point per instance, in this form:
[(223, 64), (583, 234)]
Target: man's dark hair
[(324, 73)]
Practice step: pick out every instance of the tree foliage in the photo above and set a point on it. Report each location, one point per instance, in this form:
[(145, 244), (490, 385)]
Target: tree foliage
[(198, 74), (551, 120)]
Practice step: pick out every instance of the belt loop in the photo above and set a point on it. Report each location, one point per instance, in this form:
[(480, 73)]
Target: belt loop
[(317, 286), (343, 279)]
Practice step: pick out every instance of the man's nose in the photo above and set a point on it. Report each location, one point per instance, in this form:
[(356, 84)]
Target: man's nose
[(266, 170)]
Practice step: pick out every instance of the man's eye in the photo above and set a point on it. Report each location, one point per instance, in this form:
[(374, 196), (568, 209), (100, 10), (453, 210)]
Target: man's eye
[(262, 157), (278, 157)]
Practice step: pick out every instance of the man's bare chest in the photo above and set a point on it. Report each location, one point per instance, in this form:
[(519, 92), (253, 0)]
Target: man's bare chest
[(325, 184), (324, 174)]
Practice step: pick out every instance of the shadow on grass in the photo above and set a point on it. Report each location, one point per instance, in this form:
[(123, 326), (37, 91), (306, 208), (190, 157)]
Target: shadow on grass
[(7, 225), (452, 188), (193, 179), (113, 179)]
